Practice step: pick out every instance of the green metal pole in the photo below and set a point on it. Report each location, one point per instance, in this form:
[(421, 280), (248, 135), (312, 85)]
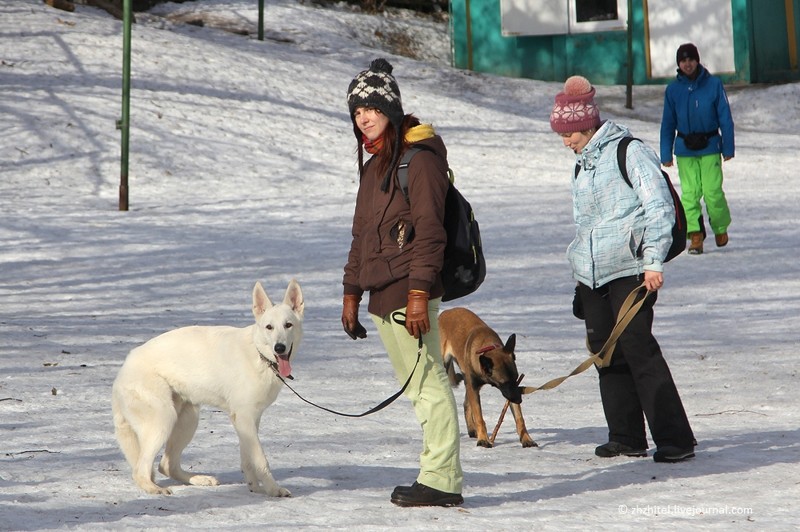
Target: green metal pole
[(629, 88), (469, 36), (124, 123), (260, 20)]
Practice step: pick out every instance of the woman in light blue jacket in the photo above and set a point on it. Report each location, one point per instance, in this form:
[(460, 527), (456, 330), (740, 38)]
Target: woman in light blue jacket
[(621, 230), (622, 235)]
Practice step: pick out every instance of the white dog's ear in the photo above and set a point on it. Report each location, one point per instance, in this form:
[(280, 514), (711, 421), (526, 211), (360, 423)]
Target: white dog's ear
[(294, 297), (261, 301)]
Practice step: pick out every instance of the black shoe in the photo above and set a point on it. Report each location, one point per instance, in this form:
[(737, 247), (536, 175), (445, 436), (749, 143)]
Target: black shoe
[(669, 454), (421, 495), (612, 448), (403, 489)]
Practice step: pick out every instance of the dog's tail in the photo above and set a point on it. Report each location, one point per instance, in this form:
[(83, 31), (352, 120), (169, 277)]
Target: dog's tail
[(128, 441), (450, 366)]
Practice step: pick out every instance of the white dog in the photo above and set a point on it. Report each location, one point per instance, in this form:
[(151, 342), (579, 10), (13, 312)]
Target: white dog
[(157, 395)]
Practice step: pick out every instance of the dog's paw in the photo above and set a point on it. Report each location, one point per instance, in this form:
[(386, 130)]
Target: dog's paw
[(279, 492), (151, 487), (203, 480), (528, 442), (155, 489), (485, 443)]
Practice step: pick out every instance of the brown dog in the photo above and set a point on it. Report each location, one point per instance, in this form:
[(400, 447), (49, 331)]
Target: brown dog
[(482, 359)]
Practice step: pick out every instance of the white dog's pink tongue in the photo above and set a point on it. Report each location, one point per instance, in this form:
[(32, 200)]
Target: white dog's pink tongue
[(284, 367)]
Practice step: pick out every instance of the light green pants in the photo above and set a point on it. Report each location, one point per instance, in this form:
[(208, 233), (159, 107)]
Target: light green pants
[(432, 397), (701, 178)]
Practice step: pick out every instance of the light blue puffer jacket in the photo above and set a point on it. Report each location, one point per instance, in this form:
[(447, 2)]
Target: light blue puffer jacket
[(620, 231)]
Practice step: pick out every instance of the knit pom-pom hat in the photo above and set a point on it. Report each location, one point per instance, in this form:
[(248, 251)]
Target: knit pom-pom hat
[(377, 88), (574, 108)]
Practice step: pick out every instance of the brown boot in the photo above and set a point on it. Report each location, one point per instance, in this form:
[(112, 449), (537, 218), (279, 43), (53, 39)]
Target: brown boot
[(721, 239), (696, 244)]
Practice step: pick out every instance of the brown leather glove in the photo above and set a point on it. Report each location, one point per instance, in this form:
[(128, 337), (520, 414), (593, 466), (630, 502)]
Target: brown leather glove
[(350, 322), (417, 320)]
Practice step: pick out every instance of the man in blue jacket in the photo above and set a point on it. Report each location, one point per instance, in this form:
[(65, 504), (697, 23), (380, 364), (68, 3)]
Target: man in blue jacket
[(696, 107)]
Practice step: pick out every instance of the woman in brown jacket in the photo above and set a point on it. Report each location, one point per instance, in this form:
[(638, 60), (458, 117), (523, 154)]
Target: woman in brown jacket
[(396, 255)]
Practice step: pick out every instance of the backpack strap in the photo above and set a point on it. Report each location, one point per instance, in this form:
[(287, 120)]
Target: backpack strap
[(622, 151), (402, 167)]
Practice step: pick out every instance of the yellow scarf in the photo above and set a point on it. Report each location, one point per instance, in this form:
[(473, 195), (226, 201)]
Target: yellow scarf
[(420, 132)]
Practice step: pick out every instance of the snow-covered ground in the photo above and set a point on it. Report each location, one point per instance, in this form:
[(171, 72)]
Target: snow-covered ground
[(242, 168)]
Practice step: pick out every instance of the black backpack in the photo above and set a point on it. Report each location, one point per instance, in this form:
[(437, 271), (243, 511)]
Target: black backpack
[(464, 267), (679, 224)]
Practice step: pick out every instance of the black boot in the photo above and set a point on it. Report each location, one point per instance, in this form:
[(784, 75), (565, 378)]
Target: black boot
[(421, 495), (612, 448), (402, 489), (670, 454)]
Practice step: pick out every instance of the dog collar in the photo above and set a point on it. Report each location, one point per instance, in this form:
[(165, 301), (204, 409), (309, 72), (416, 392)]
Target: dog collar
[(488, 348), (274, 365)]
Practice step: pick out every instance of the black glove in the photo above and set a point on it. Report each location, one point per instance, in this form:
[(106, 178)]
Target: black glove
[(577, 305)]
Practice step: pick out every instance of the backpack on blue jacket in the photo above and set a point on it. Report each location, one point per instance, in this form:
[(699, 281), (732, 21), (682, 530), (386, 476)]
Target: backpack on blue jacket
[(464, 267)]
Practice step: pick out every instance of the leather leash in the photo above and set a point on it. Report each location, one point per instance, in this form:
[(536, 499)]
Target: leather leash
[(602, 359), (386, 402)]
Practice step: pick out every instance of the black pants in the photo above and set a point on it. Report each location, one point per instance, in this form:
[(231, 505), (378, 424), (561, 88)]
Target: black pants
[(638, 383)]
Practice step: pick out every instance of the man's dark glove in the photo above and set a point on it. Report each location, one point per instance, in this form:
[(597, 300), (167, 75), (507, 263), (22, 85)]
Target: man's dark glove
[(350, 322), (417, 320)]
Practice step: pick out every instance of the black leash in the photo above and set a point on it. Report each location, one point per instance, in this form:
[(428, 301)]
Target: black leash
[(386, 402)]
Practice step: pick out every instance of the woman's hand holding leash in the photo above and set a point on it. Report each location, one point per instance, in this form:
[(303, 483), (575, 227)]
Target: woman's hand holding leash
[(350, 322), (653, 280), (417, 320)]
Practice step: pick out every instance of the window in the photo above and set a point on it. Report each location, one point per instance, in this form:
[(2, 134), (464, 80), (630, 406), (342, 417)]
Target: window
[(594, 10), (551, 17), (597, 15)]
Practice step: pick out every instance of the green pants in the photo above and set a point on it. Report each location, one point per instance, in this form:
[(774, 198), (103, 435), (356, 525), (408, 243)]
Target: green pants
[(701, 178), (432, 397)]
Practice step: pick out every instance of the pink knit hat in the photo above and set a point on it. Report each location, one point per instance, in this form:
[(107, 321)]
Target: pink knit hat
[(575, 109)]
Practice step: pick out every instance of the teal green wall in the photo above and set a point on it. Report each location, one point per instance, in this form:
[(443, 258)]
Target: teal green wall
[(531, 57), (742, 37), (771, 54), (602, 57)]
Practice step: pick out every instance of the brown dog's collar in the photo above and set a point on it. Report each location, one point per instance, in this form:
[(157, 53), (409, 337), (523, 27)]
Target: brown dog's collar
[(488, 348)]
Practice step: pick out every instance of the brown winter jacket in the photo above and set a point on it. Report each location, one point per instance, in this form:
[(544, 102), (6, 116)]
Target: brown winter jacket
[(377, 262)]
